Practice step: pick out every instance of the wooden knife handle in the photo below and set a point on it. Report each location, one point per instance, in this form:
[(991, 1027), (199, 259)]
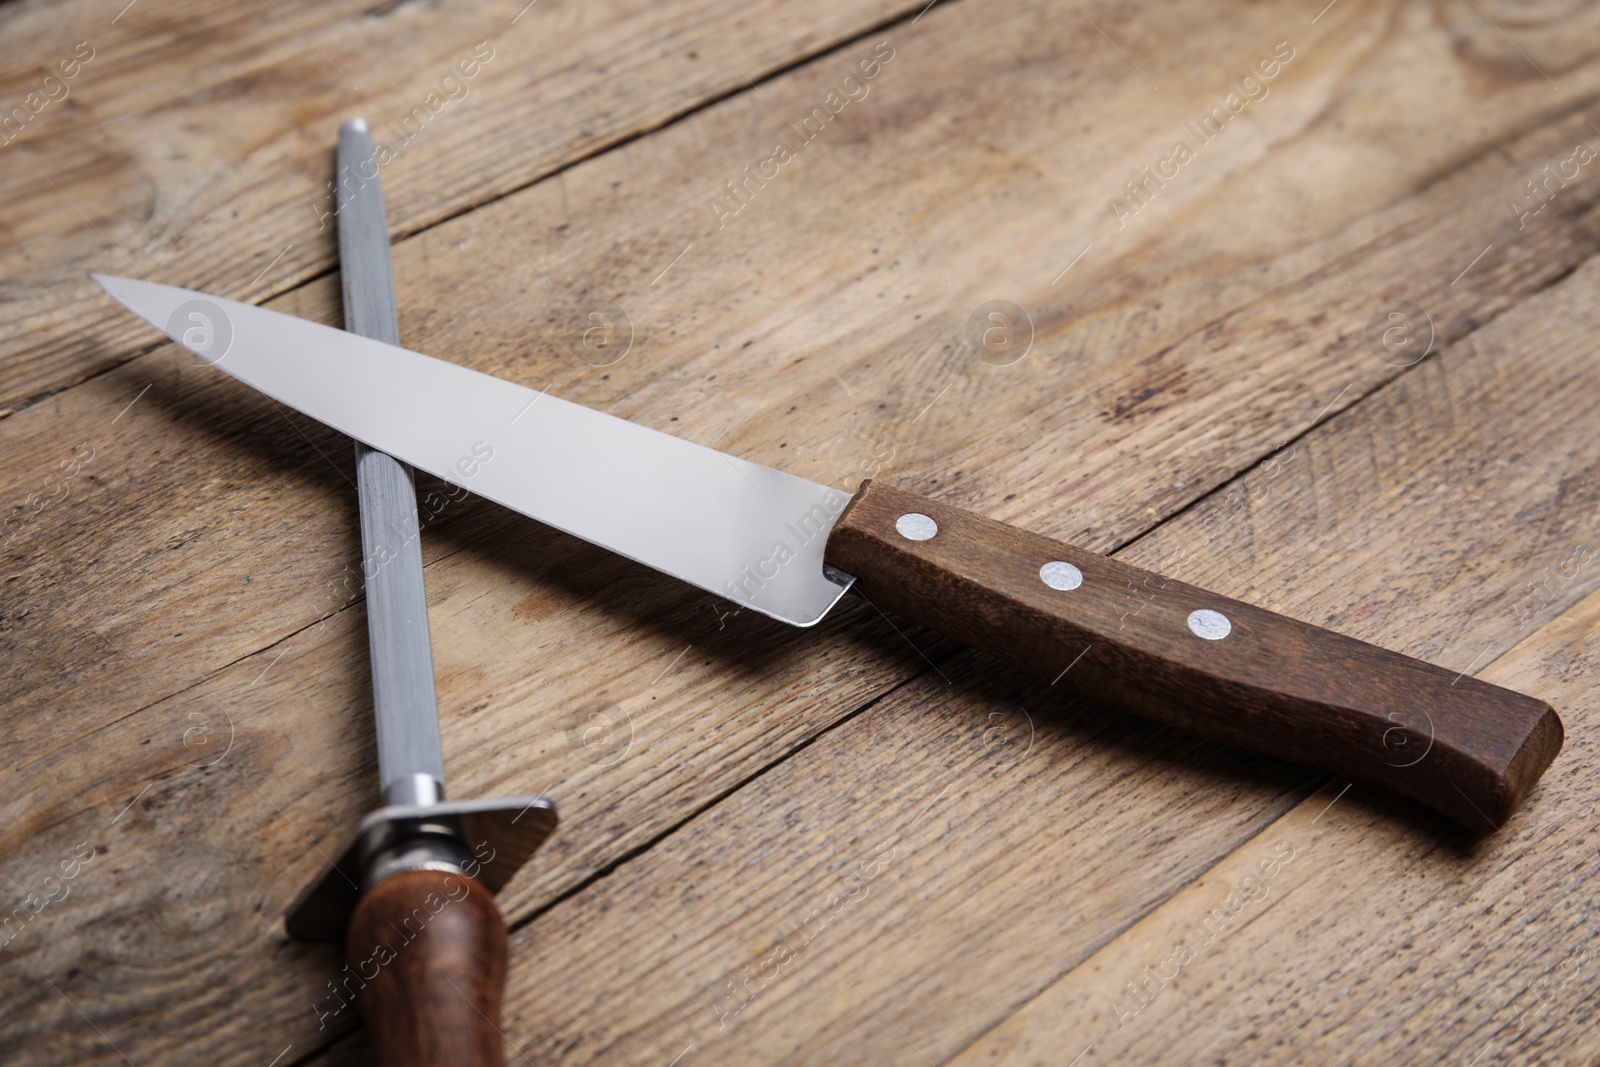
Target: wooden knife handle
[(430, 947), (1199, 661)]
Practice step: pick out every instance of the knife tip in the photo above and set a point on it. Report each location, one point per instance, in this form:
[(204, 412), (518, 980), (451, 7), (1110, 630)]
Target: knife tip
[(355, 125), (137, 296)]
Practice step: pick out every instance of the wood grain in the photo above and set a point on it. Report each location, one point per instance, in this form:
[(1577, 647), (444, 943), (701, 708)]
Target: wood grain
[(217, 176), (1263, 682), (194, 574), (428, 952)]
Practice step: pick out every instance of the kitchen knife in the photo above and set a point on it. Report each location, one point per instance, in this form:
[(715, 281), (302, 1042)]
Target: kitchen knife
[(790, 548), (411, 894)]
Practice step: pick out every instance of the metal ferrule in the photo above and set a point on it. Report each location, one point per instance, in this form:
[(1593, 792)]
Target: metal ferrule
[(422, 844), (415, 854)]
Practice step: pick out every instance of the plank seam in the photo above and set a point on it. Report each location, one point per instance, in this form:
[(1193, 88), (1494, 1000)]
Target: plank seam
[(1328, 417)]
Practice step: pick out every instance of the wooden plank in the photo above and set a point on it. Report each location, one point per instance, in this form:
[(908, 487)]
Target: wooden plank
[(216, 177), (896, 889), (530, 627)]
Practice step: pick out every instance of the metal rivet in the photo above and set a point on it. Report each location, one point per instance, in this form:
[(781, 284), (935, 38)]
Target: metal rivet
[(916, 527), (1211, 625), (1059, 575)]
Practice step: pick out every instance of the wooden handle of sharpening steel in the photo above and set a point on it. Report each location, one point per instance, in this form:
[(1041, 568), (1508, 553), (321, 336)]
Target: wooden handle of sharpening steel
[(430, 947), (1199, 661)]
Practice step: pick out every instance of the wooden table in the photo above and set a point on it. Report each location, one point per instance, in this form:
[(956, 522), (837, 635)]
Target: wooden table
[(859, 843)]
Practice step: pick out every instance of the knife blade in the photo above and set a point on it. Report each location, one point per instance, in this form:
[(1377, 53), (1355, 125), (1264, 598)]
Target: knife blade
[(790, 548), (701, 515)]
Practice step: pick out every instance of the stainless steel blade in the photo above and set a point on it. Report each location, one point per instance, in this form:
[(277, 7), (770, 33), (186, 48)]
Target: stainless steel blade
[(404, 706), (735, 528)]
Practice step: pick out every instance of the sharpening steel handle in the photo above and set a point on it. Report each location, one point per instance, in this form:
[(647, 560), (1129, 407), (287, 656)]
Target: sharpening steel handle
[(430, 946), (1198, 661)]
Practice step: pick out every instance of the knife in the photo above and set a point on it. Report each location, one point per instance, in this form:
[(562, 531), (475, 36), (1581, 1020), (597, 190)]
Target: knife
[(790, 548), (412, 891)]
